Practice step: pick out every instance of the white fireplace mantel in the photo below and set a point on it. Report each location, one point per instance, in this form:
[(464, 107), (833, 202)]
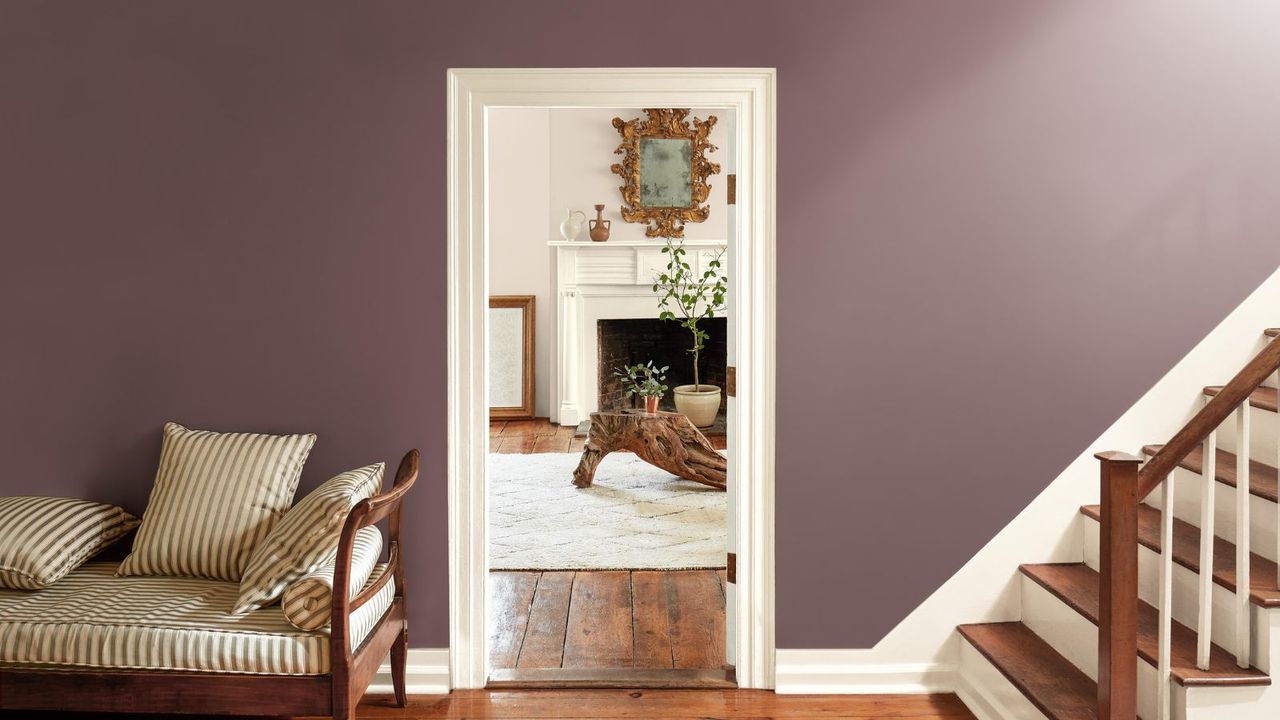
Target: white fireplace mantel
[(603, 281)]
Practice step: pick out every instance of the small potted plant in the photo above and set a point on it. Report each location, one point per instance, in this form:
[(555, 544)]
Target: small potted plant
[(646, 381), (689, 297)]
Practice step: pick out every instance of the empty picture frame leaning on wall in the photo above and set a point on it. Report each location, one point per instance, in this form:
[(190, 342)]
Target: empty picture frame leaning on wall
[(511, 370)]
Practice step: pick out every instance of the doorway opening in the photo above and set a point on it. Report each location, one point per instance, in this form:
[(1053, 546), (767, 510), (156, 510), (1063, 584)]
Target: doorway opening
[(580, 558), (622, 572)]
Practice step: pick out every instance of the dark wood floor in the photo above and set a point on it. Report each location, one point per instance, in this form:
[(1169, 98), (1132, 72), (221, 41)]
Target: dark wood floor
[(607, 619), (541, 436), (668, 704)]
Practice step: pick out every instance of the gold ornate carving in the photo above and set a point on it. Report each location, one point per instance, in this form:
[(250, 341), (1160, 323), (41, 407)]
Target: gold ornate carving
[(665, 123)]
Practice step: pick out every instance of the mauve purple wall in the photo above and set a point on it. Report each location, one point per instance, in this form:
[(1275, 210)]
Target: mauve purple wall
[(232, 214)]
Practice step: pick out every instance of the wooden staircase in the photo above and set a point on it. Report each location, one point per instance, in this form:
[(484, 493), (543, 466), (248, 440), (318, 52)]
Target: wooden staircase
[(1136, 629)]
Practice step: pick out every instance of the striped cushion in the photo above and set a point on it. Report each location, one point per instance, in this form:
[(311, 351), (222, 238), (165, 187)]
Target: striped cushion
[(307, 602), (93, 619), (45, 538), (215, 498), (306, 538)]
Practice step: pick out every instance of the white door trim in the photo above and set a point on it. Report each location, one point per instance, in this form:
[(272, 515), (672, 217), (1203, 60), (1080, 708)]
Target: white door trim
[(752, 95)]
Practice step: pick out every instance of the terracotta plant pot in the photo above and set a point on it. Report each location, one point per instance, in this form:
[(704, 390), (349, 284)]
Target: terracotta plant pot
[(700, 403), (651, 403)]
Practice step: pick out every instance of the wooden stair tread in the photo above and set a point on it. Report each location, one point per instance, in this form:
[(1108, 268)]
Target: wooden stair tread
[(1273, 332), (1055, 686), (1186, 552), (1262, 477), (1076, 584), (1264, 398)]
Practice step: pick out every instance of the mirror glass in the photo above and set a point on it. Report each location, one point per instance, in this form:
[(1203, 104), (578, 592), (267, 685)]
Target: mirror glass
[(506, 357), (666, 172)]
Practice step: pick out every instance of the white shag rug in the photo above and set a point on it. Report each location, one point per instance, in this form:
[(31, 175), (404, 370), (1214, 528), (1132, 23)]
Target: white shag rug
[(635, 516)]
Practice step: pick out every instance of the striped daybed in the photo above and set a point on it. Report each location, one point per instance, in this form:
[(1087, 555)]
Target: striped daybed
[(96, 642)]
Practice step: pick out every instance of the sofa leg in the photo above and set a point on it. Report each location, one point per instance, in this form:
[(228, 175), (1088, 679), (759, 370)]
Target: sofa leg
[(399, 659)]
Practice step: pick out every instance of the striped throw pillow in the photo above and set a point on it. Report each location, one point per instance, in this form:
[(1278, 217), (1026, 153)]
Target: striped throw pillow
[(308, 601), (306, 538), (215, 498), (44, 538)]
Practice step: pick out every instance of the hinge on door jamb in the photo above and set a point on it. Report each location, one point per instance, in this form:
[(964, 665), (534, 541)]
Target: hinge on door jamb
[(731, 188), (731, 568)]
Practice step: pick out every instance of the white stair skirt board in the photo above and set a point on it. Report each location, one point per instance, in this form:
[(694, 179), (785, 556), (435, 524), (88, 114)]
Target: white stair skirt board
[(1186, 601), (427, 673), (835, 672), (634, 516), (987, 692), (985, 588)]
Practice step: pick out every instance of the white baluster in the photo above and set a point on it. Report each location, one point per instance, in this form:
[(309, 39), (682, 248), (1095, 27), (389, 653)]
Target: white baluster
[(1205, 625), (1166, 596), (1242, 535)]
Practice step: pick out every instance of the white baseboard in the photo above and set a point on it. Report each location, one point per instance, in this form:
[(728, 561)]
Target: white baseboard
[(856, 671), (427, 674)]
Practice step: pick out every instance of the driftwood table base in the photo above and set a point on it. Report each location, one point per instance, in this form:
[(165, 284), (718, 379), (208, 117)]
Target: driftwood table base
[(663, 439)]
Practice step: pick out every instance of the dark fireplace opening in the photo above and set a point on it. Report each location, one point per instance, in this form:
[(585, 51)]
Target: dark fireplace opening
[(633, 341)]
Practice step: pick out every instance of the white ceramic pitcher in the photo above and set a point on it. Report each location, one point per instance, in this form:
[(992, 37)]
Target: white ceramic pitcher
[(571, 228)]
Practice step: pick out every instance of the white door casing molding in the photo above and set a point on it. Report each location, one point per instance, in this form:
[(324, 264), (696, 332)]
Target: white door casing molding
[(751, 93)]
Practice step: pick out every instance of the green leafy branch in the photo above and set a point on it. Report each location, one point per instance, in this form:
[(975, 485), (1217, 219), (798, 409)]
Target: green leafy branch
[(689, 297)]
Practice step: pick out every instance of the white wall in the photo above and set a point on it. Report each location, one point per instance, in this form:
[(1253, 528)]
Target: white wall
[(544, 160), (520, 263), (582, 145)]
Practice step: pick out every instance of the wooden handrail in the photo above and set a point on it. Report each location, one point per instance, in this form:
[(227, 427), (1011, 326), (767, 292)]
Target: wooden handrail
[(1214, 413)]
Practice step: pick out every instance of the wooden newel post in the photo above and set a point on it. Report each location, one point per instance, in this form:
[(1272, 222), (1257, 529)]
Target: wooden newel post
[(1118, 594)]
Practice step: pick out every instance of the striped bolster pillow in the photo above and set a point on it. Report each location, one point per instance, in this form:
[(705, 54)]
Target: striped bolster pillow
[(44, 538), (307, 602), (305, 538)]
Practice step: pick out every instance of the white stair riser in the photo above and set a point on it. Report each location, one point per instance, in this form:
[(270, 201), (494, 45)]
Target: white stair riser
[(1227, 703), (987, 692), (1186, 594), (1264, 435), (1187, 497), (1076, 639)]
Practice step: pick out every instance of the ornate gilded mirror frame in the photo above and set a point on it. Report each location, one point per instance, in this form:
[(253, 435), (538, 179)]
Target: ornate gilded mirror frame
[(659, 134)]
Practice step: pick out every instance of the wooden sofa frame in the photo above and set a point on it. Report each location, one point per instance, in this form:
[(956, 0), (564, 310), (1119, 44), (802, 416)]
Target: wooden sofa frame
[(335, 694)]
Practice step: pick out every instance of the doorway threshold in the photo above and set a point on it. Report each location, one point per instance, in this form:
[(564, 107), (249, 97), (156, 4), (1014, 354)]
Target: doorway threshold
[(613, 678)]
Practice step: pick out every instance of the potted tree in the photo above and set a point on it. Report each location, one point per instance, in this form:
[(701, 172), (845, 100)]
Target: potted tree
[(689, 297), (645, 381)]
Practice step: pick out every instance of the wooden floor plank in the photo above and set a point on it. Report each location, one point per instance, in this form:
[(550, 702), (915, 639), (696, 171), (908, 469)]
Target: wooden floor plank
[(599, 631), (536, 426), (544, 640), (724, 583), (667, 704), (515, 444), (550, 444), (511, 594), (650, 620), (695, 606)]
